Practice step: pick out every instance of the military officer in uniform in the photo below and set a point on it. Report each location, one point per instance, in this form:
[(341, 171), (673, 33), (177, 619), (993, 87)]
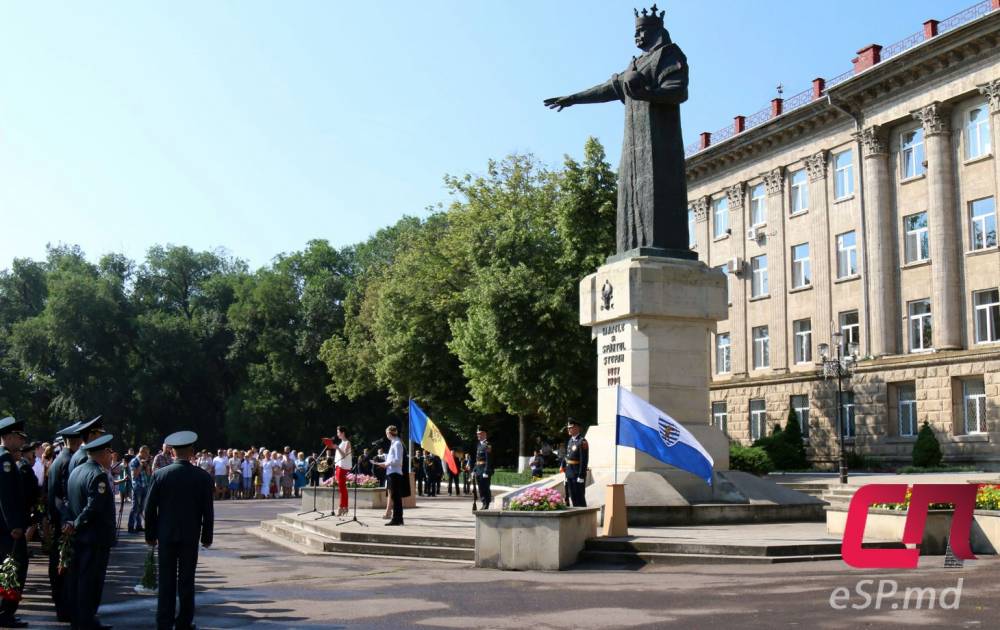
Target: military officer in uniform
[(575, 464), (88, 430), (29, 482), (483, 469), (13, 519), (57, 505), (92, 525), (418, 471), (179, 513)]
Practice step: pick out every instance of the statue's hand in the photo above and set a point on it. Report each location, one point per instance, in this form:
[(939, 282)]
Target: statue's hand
[(634, 83), (558, 103)]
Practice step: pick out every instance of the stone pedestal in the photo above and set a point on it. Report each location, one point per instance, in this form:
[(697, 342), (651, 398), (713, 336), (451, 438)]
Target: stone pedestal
[(651, 318)]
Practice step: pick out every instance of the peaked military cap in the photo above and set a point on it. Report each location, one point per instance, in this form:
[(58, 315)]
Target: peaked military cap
[(72, 430), (98, 443), (572, 423), (181, 439), (30, 446), (89, 425), (9, 425)]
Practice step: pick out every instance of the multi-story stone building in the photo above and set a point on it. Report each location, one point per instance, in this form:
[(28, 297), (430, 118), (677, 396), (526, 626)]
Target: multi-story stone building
[(865, 206)]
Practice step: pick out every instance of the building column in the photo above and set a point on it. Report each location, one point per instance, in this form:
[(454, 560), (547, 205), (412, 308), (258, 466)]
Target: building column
[(702, 237), (777, 326), (942, 222), (879, 244), (991, 91), (819, 250), (737, 281)]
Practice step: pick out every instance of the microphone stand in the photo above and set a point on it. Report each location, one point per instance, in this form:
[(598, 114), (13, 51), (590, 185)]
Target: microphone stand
[(333, 496), (309, 472), (354, 519)]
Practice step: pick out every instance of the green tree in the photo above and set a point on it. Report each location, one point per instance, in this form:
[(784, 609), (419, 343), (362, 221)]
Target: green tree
[(927, 449)]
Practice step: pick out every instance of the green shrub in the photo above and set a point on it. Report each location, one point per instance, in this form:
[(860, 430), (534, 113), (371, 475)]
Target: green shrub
[(751, 459), (784, 446), (905, 470), (926, 450)]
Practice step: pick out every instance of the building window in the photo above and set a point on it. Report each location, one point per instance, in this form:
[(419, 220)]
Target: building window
[(977, 132), (847, 255), (800, 405), (725, 271), (720, 419), (987, 305), (850, 328), (983, 223), (801, 274), (920, 325), (974, 396), (803, 340), (917, 246), (722, 354), (758, 267), (847, 415), (692, 234), (843, 175), (758, 419), (911, 150), (720, 217), (761, 348), (907, 409), (799, 192), (758, 206)]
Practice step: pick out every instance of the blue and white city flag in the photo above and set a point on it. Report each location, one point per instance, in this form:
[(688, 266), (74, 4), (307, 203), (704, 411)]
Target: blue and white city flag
[(645, 428)]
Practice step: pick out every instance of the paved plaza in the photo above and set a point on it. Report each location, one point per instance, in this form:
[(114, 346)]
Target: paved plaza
[(244, 582)]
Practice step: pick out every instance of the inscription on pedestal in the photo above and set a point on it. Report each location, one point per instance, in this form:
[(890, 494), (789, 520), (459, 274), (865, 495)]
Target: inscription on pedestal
[(611, 349)]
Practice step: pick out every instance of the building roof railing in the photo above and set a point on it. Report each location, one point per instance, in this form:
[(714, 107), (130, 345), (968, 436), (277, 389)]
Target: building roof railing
[(867, 57)]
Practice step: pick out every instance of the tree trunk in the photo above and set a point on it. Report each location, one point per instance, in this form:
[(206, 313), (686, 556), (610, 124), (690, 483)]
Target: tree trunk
[(522, 444)]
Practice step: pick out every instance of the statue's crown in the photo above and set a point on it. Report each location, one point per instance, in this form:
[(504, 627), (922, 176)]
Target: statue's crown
[(648, 17)]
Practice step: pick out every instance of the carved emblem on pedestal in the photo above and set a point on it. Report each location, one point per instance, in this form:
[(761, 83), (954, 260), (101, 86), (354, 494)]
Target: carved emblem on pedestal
[(607, 296)]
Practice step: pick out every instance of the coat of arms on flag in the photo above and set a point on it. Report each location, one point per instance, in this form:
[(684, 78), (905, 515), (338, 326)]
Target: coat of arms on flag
[(669, 432)]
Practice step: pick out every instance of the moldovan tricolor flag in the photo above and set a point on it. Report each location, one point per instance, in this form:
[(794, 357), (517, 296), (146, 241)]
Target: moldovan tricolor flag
[(644, 427), (424, 432)]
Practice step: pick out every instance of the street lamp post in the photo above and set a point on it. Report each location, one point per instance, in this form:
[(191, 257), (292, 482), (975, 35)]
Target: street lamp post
[(840, 366)]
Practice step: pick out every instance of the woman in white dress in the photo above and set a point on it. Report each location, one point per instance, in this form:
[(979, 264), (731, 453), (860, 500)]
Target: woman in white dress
[(265, 472)]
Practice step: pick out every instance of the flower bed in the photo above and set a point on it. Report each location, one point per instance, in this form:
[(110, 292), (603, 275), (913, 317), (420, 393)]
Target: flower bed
[(361, 481), (533, 539), (987, 498), (538, 500)]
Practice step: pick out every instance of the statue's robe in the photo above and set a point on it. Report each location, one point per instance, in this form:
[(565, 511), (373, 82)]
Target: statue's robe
[(652, 185)]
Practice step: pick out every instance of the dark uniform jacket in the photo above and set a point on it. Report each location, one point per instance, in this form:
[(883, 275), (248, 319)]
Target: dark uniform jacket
[(78, 458), (179, 506), (92, 504), (56, 503), (577, 457), (29, 489), (419, 467), (484, 459), (12, 515)]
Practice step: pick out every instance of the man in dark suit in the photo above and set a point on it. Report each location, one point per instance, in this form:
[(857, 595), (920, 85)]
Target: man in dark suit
[(57, 504), (483, 468), (13, 519), (88, 430), (31, 493), (92, 525), (419, 472), (179, 513)]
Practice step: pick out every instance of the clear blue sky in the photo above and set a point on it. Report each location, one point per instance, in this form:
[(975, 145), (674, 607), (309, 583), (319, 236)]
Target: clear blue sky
[(256, 126)]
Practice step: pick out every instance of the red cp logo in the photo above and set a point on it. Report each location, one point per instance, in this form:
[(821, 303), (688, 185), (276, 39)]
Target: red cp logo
[(963, 495)]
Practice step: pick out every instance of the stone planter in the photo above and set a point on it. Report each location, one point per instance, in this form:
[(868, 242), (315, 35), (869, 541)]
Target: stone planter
[(326, 496), (986, 531), (543, 541), (889, 525)]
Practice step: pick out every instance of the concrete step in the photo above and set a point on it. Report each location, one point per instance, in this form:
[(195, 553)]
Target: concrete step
[(812, 489), (366, 536), (267, 536), (620, 557), (309, 541), (406, 551), (708, 549)]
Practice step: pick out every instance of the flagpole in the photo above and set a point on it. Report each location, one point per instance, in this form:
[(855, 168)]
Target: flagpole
[(618, 395)]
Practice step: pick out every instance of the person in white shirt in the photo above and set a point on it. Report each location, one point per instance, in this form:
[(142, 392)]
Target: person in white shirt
[(393, 464), (342, 463), (221, 464)]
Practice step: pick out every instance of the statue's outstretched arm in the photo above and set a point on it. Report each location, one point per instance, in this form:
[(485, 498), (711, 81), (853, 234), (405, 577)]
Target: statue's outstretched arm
[(603, 93)]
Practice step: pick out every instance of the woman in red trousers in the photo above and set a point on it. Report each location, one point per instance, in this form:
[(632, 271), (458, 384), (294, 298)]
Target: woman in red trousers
[(342, 461)]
